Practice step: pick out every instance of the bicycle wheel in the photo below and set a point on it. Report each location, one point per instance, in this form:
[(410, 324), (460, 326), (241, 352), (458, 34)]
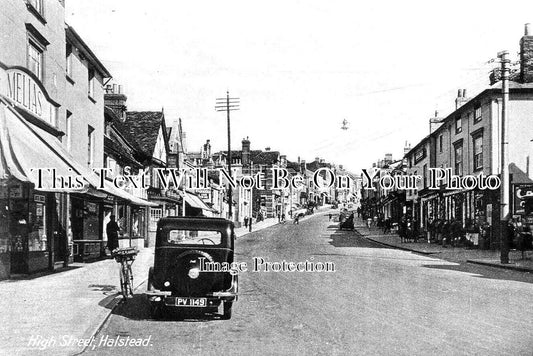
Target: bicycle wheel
[(130, 280), (126, 280)]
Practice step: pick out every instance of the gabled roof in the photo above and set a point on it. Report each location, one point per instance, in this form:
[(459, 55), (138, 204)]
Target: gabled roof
[(141, 129)]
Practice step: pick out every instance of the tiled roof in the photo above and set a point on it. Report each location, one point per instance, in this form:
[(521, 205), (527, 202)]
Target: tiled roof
[(293, 165), (314, 166), (141, 129), (120, 152), (265, 157)]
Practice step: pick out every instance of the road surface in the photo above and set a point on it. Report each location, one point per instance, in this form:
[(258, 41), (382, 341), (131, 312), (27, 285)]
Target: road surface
[(379, 301)]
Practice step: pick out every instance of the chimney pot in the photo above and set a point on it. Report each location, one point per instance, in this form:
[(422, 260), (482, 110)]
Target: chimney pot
[(459, 93), (527, 29)]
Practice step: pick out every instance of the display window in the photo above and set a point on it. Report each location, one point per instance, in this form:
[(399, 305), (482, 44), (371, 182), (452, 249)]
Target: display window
[(37, 223)]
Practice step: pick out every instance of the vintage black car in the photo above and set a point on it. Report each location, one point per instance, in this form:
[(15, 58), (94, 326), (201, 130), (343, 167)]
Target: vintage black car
[(190, 272)]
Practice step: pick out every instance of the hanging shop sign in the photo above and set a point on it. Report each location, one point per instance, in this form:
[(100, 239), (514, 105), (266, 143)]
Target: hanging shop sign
[(521, 192)]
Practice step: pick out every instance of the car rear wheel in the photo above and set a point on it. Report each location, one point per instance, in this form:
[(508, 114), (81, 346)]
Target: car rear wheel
[(227, 310)]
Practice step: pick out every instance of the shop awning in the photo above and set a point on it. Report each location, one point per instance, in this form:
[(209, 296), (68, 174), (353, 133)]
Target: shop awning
[(124, 195), (24, 149), (195, 201)]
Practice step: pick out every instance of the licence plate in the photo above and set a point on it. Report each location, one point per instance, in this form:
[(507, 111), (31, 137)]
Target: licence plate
[(190, 302)]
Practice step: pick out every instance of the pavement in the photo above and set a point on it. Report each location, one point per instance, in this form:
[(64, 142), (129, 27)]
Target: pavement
[(58, 313), (454, 254)]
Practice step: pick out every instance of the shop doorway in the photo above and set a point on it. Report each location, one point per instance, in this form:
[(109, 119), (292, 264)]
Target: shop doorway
[(18, 226)]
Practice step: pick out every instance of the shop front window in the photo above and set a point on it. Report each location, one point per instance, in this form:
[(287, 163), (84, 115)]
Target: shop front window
[(155, 215), (137, 223), (37, 238), (91, 227)]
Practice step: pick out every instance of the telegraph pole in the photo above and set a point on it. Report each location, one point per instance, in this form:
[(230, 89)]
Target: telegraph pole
[(228, 104), (504, 195)]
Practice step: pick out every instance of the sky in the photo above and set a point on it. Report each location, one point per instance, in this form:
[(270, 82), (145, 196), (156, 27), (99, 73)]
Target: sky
[(300, 68)]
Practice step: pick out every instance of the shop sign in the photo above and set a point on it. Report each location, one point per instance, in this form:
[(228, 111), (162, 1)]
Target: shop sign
[(19, 85), (39, 198), (420, 154), (204, 194), (521, 192)]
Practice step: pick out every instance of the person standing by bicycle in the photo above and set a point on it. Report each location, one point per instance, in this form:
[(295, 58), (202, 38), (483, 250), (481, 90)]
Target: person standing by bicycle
[(112, 230)]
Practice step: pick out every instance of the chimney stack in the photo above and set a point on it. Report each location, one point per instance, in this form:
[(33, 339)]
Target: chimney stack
[(206, 152), (283, 160), (406, 148), (246, 153), (526, 55), (116, 100), (461, 98)]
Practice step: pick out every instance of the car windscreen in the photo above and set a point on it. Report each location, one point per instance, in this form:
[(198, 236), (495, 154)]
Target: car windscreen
[(194, 237)]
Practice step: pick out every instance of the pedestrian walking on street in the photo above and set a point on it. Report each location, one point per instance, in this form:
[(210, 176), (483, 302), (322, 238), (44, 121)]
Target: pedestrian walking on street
[(329, 216), (245, 221), (250, 224), (296, 219), (112, 230)]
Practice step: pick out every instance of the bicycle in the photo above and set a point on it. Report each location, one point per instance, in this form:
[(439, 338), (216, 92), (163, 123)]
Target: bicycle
[(125, 256)]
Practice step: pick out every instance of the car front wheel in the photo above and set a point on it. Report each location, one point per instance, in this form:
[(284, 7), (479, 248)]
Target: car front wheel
[(156, 310)]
